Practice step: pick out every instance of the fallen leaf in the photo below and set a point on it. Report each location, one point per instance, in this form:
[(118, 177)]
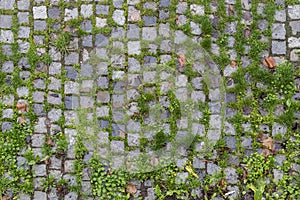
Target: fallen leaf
[(131, 189), (191, 171), (122, 134), (47, 160), (59, 188), (182, 60), (223, 184), (269, 62), (21, 106), (266, 152), (21, 119), (268, 143), (153, 161), (247, 33), (230, 10), (50, 142), (5, 197), (233, 63), (135, 16)]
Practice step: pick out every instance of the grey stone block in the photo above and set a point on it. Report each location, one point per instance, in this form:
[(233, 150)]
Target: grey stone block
[(5, 21), (279, 47)]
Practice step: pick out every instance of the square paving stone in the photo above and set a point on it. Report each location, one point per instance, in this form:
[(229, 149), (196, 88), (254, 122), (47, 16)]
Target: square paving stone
[(279, 47), (87, 25), (23, 4), (6, 36), (278, 31), (39, 12), (23, 17), (24, 32), (133, 31), (72, 58), (71, 14), (101, 22), (294, 11), (86, 102), (149, 33), (39, 25), (72, 74), (118, 17), (103, 97), (8, 67), (39, 195), (87, 41), (86, 10), (54, 13), (5, 21), (134, 47), (102, 9), (295, 25), (102, 111)]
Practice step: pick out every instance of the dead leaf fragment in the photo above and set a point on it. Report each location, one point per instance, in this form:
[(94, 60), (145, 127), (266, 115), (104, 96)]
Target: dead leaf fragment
[(131, 189), (47, 160), (230, 10), (135, 16), (182, 60), (268, 143), (21, 106), (50, 142), (269, 62), (59, 188), (247, 33), (5, 197), (21, 119), (153, 161), (233, 63), (122, 134)]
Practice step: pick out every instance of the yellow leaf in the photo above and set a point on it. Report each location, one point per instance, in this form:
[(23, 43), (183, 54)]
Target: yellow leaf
[(191, 171)]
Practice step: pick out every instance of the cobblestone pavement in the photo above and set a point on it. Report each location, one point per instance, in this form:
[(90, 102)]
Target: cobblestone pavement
[(83, 74)]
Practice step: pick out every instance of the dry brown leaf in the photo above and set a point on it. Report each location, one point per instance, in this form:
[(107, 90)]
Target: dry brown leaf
[(266, 152), (230, 10), (182, 60), (153, 161), (131, 189), (122, 134), (247, 33), (21, 106), (21, 119), (269, 62), (5, 197), (47, 160), (135, 16), (59, 188), (233, 63), (268, 143), (50, 142)]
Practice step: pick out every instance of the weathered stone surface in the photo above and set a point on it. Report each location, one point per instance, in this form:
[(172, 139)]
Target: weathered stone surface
[(293, 11), (39, 12), (295, 25), (278, 129), (293, 42), (278, 31), (118, 17), (71, 14), (5, 21), (279, 47)]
